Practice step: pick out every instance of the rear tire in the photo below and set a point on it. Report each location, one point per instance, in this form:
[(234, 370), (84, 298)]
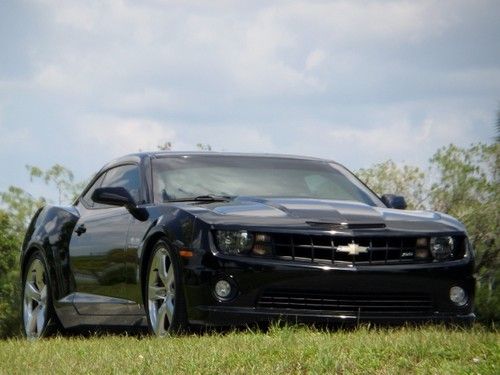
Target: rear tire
[(38, 314), (164, 298)]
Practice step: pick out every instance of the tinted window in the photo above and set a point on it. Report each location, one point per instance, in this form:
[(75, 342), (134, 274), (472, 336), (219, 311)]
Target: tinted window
[(126, 176), (190, 176), (87, 198)]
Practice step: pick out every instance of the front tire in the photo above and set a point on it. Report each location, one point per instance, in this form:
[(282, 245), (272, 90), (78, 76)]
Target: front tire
[(39, 318), (164, 297)]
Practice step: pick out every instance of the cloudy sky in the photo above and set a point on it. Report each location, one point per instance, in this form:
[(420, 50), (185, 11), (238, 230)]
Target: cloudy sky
[(82, 82)]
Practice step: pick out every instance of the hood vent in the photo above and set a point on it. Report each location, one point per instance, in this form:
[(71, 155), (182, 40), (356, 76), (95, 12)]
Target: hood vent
[(322, 224)]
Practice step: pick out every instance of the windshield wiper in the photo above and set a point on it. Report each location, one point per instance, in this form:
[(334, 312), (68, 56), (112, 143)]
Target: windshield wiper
[(204, 198)]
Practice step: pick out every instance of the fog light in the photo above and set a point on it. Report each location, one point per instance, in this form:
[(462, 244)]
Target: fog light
[(458, 296), (222, 289)]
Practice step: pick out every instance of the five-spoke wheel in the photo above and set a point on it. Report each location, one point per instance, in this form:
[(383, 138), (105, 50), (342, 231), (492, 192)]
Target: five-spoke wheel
[(37, 310), (164, 298)]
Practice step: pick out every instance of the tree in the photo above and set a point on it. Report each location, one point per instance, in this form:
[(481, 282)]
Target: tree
[(203, 147), (388, 177), (61, 177), (9, 277), (498, 125), (16, 210), (166, 146), (467, 187), (20, 206)]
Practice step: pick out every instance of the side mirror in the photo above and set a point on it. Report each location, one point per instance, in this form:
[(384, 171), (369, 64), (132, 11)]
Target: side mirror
[(119, 196), (114, 196), (394, 201)]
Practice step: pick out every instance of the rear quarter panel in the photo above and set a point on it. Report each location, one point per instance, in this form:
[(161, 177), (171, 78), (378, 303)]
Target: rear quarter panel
[(50, 232)]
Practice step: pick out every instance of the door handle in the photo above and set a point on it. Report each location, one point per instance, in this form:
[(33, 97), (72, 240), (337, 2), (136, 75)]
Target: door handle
[(80, 229)]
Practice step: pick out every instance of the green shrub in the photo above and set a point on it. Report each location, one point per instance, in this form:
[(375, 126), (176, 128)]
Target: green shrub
[(9, 278), (10, 318), (488, 301)]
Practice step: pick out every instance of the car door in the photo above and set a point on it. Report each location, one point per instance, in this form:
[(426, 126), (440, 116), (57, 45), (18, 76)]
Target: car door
[(97, 247)]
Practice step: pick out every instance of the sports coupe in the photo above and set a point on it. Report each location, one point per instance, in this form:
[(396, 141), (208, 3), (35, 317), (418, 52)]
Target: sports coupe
[(166, 240)]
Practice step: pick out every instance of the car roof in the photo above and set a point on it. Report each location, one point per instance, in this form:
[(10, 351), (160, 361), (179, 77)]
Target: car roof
[(159, 154), (139, 156)]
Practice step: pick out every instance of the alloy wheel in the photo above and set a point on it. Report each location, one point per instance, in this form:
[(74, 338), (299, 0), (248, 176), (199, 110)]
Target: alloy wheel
[(35, 299), (161, 292)]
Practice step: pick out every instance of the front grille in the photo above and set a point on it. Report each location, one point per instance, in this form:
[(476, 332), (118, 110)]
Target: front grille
[(346, 250), (364, 304)]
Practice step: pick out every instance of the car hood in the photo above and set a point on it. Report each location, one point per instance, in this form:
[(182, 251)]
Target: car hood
[(321, 214)]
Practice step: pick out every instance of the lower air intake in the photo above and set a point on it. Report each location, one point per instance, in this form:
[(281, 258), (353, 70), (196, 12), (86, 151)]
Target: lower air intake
[(349, 304)]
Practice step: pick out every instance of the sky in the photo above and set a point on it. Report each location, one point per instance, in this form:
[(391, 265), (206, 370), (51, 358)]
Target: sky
[(360, 82)]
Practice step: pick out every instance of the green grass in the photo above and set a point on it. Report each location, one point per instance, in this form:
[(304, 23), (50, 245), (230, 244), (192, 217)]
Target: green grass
[(280, 350)]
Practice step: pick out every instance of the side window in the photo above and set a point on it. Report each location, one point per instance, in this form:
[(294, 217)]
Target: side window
[(126, 176), (87, 198)]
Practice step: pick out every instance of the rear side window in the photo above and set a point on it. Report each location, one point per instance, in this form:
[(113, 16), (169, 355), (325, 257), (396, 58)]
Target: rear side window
[(126, 176)]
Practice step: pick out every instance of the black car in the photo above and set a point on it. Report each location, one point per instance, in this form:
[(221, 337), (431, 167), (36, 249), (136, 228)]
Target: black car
[(167, 240)]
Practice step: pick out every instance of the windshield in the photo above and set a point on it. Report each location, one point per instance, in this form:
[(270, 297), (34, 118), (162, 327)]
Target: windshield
[(184, 177)]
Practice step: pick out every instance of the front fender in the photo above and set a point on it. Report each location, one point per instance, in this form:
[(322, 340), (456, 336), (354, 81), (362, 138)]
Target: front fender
[(174, 225)]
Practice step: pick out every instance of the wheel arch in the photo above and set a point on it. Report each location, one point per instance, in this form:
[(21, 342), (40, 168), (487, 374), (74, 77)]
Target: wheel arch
[(175, 227), (51, 274), (27, 255), (50, 233), (149, 244)]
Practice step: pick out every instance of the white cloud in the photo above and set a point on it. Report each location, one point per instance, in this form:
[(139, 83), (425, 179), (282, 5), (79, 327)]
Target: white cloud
[(117, 136), (154, 55), (52, 77), (248, 51), (315, 59), (11, 138), (235, 138), (357, 81), (390, 133), (145, 99)]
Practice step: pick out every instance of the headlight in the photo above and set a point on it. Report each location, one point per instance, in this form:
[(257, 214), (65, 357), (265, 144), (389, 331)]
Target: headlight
[(442, 248), (234, 242), (243, 242)]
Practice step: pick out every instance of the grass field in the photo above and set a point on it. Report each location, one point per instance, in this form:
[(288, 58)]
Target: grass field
[(280, 350)]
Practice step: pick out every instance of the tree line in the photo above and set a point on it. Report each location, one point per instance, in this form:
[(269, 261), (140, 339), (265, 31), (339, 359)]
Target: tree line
[(460, 181)]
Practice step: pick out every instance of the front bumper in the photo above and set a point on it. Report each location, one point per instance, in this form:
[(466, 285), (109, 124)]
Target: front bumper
[(227, 315), (274, 289)]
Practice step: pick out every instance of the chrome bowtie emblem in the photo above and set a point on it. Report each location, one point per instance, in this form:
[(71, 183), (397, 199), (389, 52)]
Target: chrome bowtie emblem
[(352, 249)]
